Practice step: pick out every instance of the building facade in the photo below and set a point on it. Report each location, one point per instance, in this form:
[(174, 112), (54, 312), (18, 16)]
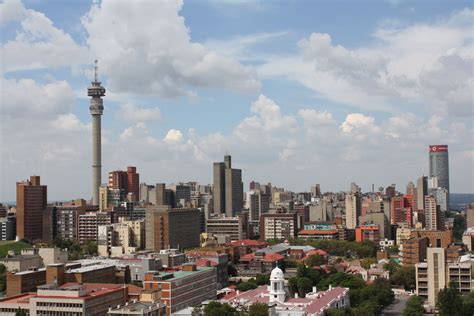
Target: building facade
[(228, 188), (31, 199)]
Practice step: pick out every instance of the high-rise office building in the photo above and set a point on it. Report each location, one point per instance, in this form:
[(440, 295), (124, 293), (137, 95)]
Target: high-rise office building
[(133, 183), (421, 191), (228, 188), (439, 164), (126, 181), (353, 209), (183, 194), (171, 228), (434, 219), (31, 199), (316, 191), (259, 204)]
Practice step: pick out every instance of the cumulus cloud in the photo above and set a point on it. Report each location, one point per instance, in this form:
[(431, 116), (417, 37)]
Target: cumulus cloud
[(428, 64), (27, 98), (38, 44), (132, 113), (145, 48), (173, 135)]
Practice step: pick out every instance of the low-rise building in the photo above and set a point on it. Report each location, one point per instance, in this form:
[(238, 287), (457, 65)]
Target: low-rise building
[(67, 299), (138, 308), (314, 304), (314, 234), (183, 288)]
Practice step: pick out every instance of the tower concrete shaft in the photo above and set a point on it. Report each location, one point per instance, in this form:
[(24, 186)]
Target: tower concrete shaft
[(96, 92)]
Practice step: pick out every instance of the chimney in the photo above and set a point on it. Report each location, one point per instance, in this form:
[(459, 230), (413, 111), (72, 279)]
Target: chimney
[(296, 295), (315, 289)]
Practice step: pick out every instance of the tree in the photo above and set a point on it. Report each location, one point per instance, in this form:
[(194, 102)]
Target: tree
[(449, 302), (315, 260), (366, 262), (2, 268), (293, 286), (335, 312), (304, 286), (258, 309), (20, 312), (246, 286), (262, 279), (404, 276), (219, 309), (468, 301), (391, 267), (414, 307), (231, 270)]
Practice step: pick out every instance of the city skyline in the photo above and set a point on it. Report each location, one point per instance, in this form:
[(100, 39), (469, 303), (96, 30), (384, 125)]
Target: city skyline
[(303, 128)]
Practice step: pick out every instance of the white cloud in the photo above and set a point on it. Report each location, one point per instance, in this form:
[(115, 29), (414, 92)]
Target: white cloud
[(174, 136), (425, 63), (27, 98), (38, 44), (145, 48), (131, 113), (70, 122)]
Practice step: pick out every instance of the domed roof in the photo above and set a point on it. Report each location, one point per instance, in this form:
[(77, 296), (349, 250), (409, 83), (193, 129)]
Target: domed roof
[(277, 274)]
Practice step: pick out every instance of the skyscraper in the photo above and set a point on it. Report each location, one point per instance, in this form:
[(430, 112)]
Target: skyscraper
[(133, 183), (421, 191), (96, 92), (31, 200), (228, 188), (439, 165), (353, 209)]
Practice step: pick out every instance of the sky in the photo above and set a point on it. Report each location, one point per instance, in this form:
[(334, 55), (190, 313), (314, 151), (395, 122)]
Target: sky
[(298, 92)]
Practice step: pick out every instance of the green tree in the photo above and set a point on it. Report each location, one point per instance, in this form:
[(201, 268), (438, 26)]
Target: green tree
[(468, 302), (219, 309), (450, 302), (315, 260), (262, 279), (404, 276), (231, 270), (293, 286), (391, 267), (246, 286), (342, 279), (2, 268), (414, 307), (366, 262), (20, 312), (393, 250), (258, 309), (335, 312), (304, 286)]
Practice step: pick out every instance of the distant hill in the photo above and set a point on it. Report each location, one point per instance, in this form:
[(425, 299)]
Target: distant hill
[(460, 201)]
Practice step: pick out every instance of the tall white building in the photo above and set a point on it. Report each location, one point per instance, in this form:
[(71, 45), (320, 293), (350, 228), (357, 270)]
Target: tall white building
[(353, 209)]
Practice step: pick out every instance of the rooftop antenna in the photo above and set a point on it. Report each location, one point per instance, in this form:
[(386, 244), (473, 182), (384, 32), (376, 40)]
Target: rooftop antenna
[(96, 69)]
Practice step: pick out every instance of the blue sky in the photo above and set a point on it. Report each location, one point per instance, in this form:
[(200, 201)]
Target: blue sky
[(299, 92)]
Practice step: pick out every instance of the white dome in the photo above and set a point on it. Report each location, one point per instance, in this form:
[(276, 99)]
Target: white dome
[(277, 274)]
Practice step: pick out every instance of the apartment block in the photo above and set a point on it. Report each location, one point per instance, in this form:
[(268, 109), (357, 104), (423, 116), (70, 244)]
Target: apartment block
[(235, 227), (278, 226), (88, 224), (124, 237)]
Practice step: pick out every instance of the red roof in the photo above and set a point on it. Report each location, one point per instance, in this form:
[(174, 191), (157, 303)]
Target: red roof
[(316, 252), (318, 232), (203, 262), (246, 242), (133, 289), (270, 257)]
